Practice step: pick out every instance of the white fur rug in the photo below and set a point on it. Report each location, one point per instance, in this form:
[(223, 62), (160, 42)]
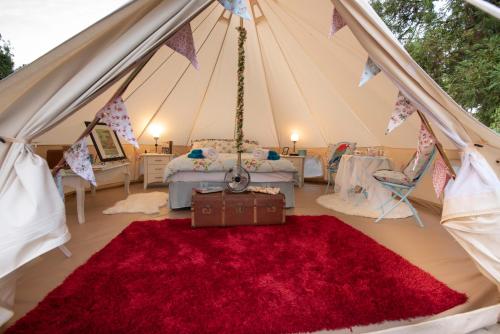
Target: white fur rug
[(360, 207), (148, 203)]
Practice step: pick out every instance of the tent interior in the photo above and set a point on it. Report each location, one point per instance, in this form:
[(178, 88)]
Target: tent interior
[(297, 80)]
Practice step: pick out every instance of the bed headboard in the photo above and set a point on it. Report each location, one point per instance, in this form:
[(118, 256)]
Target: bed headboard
[(224, 145)]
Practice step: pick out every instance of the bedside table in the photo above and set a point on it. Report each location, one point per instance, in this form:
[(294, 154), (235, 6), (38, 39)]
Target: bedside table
[(298, 162), (154, 167)]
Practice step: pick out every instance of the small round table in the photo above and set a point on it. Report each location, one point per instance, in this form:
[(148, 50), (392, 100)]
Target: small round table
[(357, 170)]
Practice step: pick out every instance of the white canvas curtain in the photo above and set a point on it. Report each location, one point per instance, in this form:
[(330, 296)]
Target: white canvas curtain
[(471, 211), (51, 89), (32, 214)]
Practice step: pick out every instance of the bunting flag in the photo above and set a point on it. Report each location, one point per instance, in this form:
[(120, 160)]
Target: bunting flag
[(337, 23), (440, 176), (425, 141), (402, 110), (115, 115), (371, 70), (237, 7), (182, 42), (77, 157)]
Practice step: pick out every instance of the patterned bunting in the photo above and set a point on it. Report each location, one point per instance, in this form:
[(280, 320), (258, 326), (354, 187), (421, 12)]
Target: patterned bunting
[(402, 110), (425, 141), (371, 70), (182, 42), (115, 115), (77, 157), (237, 7), (337, 22), (440, 176)]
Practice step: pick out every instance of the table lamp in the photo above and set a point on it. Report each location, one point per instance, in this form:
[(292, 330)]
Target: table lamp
[(294, 138), (155, 130)]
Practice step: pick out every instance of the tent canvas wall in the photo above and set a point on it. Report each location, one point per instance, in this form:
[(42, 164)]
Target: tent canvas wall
[(297, 80)]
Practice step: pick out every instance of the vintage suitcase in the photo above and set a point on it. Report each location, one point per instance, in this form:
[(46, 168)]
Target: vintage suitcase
[(206, 209), (228, 209)]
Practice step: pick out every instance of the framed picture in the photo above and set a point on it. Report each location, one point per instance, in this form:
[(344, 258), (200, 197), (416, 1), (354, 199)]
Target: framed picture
[(106, 143), (285, 150), (167, 149)]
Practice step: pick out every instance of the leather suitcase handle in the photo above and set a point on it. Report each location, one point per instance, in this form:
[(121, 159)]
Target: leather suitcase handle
[(206, 210)]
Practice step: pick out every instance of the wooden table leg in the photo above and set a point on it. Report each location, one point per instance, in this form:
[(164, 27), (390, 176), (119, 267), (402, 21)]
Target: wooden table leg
[(127, 181), (80, 201)]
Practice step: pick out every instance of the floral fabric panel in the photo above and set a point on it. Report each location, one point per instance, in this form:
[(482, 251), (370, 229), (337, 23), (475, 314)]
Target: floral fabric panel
[(250, 145), (392, 176), (115, 115), (402, 110), (337, 22), (440, 176), (237, 7), (371, 70), (224, 145), (225, 162), (77, 157), (425, 144), (182, 42)]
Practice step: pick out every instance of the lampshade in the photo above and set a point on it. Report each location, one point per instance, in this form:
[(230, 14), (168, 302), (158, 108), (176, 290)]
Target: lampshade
[(155, 130), (294, 137)]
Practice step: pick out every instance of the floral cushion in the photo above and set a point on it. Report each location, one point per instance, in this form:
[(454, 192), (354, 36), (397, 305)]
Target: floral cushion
[(336, 151), (414, 170), (250, 145), (202, 143), (392, 176), (224, 145)]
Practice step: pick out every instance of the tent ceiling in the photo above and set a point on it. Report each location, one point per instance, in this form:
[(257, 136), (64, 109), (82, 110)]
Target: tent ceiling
[(297, 80)]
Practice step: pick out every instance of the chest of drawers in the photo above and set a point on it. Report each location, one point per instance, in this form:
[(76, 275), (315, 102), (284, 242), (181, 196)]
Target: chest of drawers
[(298, 162), (154, 167)]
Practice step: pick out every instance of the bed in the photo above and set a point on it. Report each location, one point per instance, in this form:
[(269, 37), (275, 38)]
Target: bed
[(183, 174)]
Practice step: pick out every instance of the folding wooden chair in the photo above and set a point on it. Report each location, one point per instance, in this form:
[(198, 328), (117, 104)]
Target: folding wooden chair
[(401, 184)]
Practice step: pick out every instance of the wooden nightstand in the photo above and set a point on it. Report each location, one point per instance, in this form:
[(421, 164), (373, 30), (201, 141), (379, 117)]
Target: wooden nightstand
[(298, 162), (154, 167)]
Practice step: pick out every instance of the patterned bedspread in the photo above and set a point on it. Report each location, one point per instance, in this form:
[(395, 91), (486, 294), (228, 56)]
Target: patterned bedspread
[(224, 162)]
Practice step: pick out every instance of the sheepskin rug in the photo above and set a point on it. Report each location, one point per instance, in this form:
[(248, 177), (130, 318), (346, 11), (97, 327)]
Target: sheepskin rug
[(148, 203), (356, 206)]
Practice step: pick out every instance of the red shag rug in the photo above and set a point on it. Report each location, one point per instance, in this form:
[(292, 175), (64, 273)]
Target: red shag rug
[(165, 277)]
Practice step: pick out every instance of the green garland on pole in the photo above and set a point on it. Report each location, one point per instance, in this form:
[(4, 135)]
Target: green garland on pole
[(240, 104)]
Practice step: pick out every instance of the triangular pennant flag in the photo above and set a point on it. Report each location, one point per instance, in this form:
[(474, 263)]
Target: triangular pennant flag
[(182, 42), (115, 115), (337, 22), (440, 176), (371, 70), (237, 7), (425, 140), (77, 157), (402, 110)]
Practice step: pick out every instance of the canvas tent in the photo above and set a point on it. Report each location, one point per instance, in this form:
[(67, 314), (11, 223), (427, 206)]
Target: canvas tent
[(297, 79)]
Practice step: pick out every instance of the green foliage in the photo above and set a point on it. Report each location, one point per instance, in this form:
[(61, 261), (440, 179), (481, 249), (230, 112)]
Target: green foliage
[(240, 102), (6, 61), (457, 44)]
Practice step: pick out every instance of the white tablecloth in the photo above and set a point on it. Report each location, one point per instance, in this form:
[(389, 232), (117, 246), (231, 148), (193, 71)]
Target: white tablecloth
[(357, 170)]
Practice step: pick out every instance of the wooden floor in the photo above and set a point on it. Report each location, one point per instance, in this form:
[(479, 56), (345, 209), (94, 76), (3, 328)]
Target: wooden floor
[(430, 248)]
